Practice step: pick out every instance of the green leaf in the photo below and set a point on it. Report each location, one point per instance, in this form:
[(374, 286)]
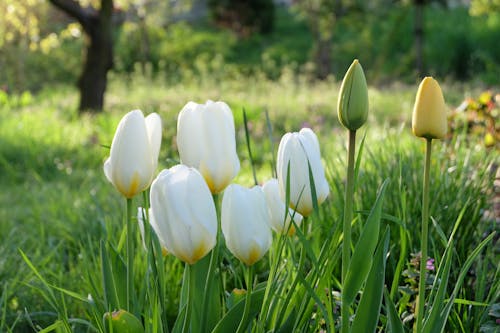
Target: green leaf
[(230, 322), (368, 311), (247, 137), (362, 257), (288, 324), (394, 323), (437, 324), (114, 278)]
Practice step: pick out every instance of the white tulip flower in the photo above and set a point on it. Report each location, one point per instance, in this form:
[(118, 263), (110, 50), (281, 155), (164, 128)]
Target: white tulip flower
[(206, 141), (245, 223), (183, 213), (301, 149), (134, 153), (277, 209)]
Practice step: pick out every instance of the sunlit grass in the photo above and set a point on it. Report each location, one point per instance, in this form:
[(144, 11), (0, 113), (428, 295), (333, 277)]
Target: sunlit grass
[(55, 204)]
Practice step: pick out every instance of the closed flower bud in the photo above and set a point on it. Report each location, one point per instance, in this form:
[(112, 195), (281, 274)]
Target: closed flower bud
[(245, 223), (183, 213), (277, 209), (122, 321), (352, 105), (429, 114), (206, 141), (134, 153), (301, 150)]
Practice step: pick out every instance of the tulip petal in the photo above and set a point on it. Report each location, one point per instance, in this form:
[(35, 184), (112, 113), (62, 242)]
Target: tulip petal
[(301, 150), (130, 157), (153, 126), (245, 223), (184, 213), (107, 169)]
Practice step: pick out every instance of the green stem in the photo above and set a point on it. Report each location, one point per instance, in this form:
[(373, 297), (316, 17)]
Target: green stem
[(130, 256), (346, 244), (291, 289), (424, 238), (249, 281), (214, 262), (187, 318)]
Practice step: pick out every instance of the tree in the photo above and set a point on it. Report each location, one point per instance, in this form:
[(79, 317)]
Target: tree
[(244, 16), (98, 27)]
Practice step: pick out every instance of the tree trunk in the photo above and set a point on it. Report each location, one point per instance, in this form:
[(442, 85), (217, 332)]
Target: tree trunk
[(419, 37), (98, 61), (323, 57), (98, 27)]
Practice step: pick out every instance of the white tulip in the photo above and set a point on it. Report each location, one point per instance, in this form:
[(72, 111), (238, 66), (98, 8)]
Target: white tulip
[(183, 213), (297, 149), (206, 141), (134, 153), (245, 223), (277, 209), (141, 216)]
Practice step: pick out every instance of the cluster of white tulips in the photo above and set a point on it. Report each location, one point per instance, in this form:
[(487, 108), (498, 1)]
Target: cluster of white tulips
[(183, 213), (184, 210)]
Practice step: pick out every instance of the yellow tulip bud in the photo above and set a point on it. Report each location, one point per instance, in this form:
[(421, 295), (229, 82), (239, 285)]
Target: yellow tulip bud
[(429, 114), (122, 321), (352, 105)]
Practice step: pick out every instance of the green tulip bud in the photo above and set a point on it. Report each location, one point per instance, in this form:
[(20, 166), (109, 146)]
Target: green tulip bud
[(122, 321), (353, 98)]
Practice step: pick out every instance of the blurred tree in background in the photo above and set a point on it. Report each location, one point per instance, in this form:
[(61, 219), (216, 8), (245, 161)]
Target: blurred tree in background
[(42, 47), (96, 21), (243, 16)]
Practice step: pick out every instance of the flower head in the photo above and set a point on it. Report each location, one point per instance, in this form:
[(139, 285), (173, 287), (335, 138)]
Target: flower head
[(300, 150), (245, 223), (429, 113), (352, 107), (277, 209), (183, 213), (206, 141), (134, 153)]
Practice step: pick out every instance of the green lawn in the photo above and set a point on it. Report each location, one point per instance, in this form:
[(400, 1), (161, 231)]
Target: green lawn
[(56, 205)]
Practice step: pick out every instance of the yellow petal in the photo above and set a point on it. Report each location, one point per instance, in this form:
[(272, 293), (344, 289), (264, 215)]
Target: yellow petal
[(429, 114)]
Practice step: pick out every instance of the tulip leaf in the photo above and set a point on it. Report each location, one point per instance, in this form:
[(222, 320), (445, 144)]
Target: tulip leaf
[(314, 195), (231, 320), (394, 323), (247, 137), (358, 159), (437, 319), (368, 311), (200, 271), (362, 257), (271, 142), (288, 324), (114, 281), (180, 320)]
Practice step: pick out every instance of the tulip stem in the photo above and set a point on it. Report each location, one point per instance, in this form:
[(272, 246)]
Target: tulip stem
[(130, 256), (214, 262), (249, 281), (190, 289), (424, 237), (346, 244)]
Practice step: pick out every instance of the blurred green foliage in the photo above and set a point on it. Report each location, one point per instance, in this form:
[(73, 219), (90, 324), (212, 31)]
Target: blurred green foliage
[(458, 45)]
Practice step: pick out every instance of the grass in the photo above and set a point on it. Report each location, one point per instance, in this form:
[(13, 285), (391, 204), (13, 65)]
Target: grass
[(56, 205)]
